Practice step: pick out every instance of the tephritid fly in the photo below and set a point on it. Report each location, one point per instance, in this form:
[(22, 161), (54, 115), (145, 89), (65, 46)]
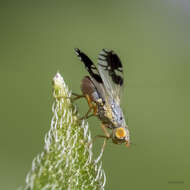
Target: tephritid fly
[(102, 91)]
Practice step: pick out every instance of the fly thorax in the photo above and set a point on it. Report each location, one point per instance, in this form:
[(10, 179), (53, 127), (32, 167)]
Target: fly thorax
[(108, 112), (117, 115)]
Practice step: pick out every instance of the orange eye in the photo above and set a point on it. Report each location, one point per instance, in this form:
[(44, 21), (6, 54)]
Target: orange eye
[(120, 133)]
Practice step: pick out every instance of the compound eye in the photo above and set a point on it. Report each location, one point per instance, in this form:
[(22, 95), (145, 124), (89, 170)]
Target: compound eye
[(120, 133)]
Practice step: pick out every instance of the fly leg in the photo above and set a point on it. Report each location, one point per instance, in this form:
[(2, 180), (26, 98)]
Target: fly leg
[(78, 96), (99, 136), (92, 107), (86, 116), (107, 136)]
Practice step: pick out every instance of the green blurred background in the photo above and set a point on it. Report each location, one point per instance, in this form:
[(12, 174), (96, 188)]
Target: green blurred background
[(152, 39)]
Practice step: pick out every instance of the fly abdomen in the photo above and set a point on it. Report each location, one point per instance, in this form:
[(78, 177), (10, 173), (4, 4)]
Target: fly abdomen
[(88, 88)]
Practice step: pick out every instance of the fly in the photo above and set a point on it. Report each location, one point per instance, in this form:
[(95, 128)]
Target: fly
[(102, 91)]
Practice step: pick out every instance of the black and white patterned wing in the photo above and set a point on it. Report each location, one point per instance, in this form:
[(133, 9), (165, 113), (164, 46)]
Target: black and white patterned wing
[(94, 74), (89, 65), (111, 72)]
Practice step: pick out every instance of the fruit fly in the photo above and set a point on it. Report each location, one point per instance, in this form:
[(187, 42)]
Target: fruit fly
[(102, 91)]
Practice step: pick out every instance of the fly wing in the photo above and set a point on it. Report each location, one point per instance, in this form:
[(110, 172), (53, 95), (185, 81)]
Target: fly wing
[(94, 73), (89, 65), (111, 72)]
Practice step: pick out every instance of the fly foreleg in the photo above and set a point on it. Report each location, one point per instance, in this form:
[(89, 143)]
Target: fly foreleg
[(77, 96), (105, 131), (106, 137)]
